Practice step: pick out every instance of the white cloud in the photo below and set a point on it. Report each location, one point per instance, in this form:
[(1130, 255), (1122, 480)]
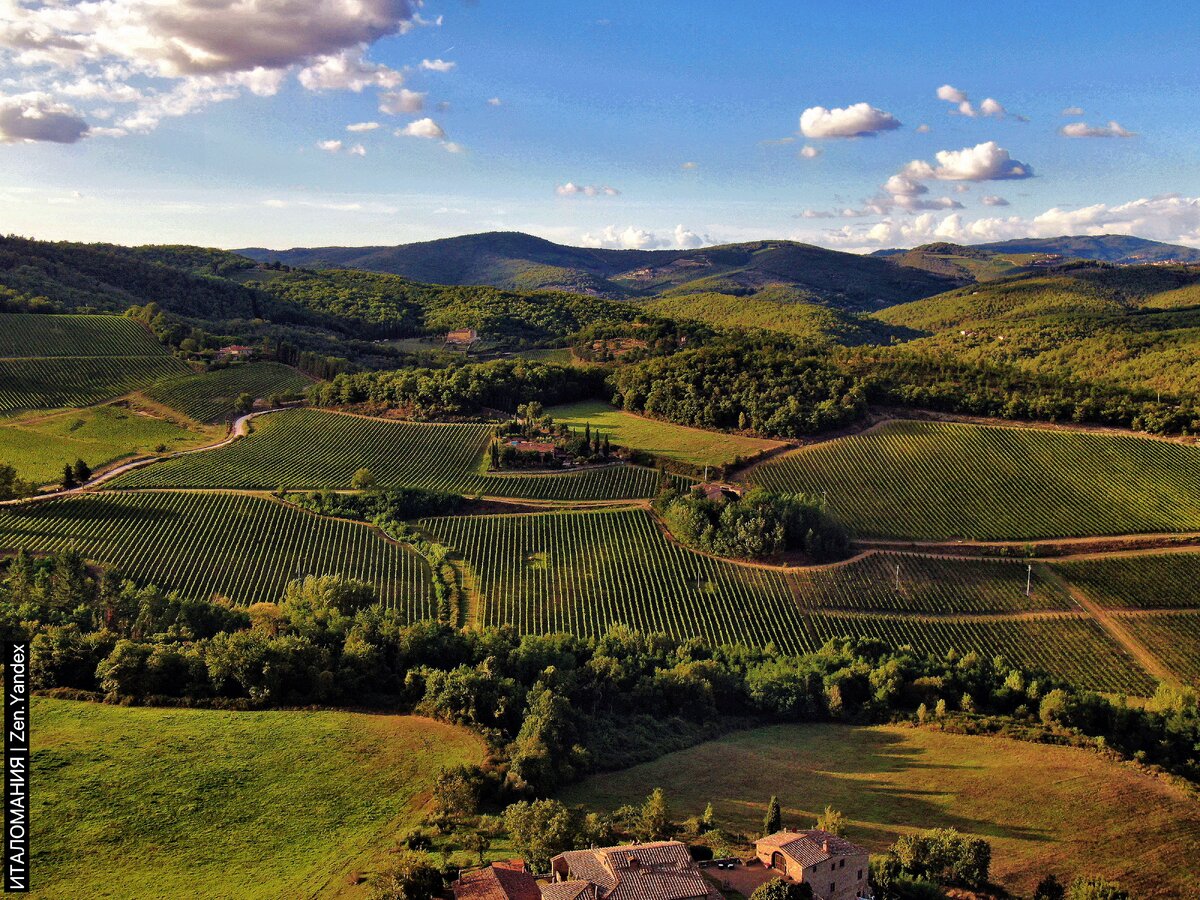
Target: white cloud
[(494, 101), (347, 71), (403, 101), (1072, 111), (777, 142), (630, 237), (951, 94), (993, 108), (1084, 130), (362, 126), (451, 147), (993, 200), (570, 189), (809, 152), (422, 128), (690, 166), (37, 117), (173, 57), (1171, 218), (329, 146), (983, 162), (923, 129), (858, 120), (357, 150), (438, 65)]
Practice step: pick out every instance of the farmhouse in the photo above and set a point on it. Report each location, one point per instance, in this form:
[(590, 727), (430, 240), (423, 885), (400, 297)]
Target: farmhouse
[(543, 447), (836, 868), (499, 881), (235, 351), (462, 337), (661, 870), (713, 490)]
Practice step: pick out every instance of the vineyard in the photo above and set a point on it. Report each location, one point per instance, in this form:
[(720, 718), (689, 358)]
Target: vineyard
[(586, 571), (1173, 637), (241, 547), (28, 335), (939, 481), (52, 361), (1144, 581), (210, 396), (311, 449)]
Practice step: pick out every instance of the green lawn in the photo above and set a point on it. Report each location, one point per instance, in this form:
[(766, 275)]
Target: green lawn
[(39, 445), (689, 445), (1044, 809), (138, 803)]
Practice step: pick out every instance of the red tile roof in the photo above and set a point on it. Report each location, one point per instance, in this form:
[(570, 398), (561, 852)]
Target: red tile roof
[(809, 847), (496, 883), (661, 870)]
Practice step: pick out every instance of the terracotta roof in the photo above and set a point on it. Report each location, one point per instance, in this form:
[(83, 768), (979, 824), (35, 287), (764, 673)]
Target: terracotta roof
[(809, 847), (496, 883), (565, 890), (661, 870), (534, 446)]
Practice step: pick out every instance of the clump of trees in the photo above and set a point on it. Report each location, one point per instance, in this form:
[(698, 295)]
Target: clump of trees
[(759, 525), (12, 486), (941, 856)]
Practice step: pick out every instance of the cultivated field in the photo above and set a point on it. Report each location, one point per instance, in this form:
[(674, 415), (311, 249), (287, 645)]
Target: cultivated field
[(1144, 581), (939, 481), (210, 396), (39, 445), (312, 449), (136, 803), (1043, 808), (689, 445), (586, 571), (54, 361), (242, 547), (1174, 638)]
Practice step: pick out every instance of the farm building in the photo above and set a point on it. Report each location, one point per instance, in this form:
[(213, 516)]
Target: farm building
[(499, 881), (836, 868), (713, 490), (543, 447), (235, 351), (462, 337), (662, 870)]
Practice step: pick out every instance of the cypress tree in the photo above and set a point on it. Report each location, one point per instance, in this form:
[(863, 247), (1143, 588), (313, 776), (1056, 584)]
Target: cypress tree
[(773, 821)]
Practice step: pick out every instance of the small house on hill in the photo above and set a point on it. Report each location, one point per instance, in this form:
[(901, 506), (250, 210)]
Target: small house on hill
[(235, 351), (713, 490), (461, 337), (543, 447), (660, 870), (834, 867), (499, 881)]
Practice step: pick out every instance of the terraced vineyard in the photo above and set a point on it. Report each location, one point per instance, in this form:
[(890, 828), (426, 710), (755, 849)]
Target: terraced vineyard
[(210, 396), (241, 547), (586, 571), (1149, 581), (308, 448), (1173, 637), (54, 361), (939, 481)]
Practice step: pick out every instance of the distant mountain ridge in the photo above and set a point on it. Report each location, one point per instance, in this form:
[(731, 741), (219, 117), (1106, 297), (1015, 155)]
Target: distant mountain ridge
[(517, 261)]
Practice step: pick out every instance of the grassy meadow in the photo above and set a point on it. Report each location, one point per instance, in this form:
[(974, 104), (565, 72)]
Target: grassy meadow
[(137, 803), (688, 445), (39, 445), (1043, 808)]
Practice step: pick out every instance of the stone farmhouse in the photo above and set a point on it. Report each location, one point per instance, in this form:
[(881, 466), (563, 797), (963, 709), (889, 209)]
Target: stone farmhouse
[(836, 868)]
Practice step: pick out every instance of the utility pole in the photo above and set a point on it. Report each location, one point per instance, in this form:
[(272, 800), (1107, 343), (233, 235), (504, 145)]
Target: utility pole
[(897, 578), (1029, 580)]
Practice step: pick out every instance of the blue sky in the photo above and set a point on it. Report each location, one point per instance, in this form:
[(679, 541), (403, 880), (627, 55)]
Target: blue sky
[(616, 124)]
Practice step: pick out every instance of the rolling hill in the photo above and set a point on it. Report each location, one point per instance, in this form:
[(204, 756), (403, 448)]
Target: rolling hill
[(984, 262), (521, 262)]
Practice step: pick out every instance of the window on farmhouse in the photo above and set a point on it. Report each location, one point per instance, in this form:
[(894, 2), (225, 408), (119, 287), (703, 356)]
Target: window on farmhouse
[(832, 887)]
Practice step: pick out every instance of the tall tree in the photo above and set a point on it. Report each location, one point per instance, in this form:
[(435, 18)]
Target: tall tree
[(656, 817), (773, 821)]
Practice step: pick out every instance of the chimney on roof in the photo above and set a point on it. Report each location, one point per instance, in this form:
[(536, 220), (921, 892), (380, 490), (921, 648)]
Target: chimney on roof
[(825, 845)]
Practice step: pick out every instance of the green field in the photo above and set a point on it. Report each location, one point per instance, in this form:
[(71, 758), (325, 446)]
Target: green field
[(242, 547), (136, 803), (25, 335), (939, 481), (210, 396), (307, 448), (678, 442), (1043, 808), (38, 446), (583, 572), (1142, 581), (48, 362)]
